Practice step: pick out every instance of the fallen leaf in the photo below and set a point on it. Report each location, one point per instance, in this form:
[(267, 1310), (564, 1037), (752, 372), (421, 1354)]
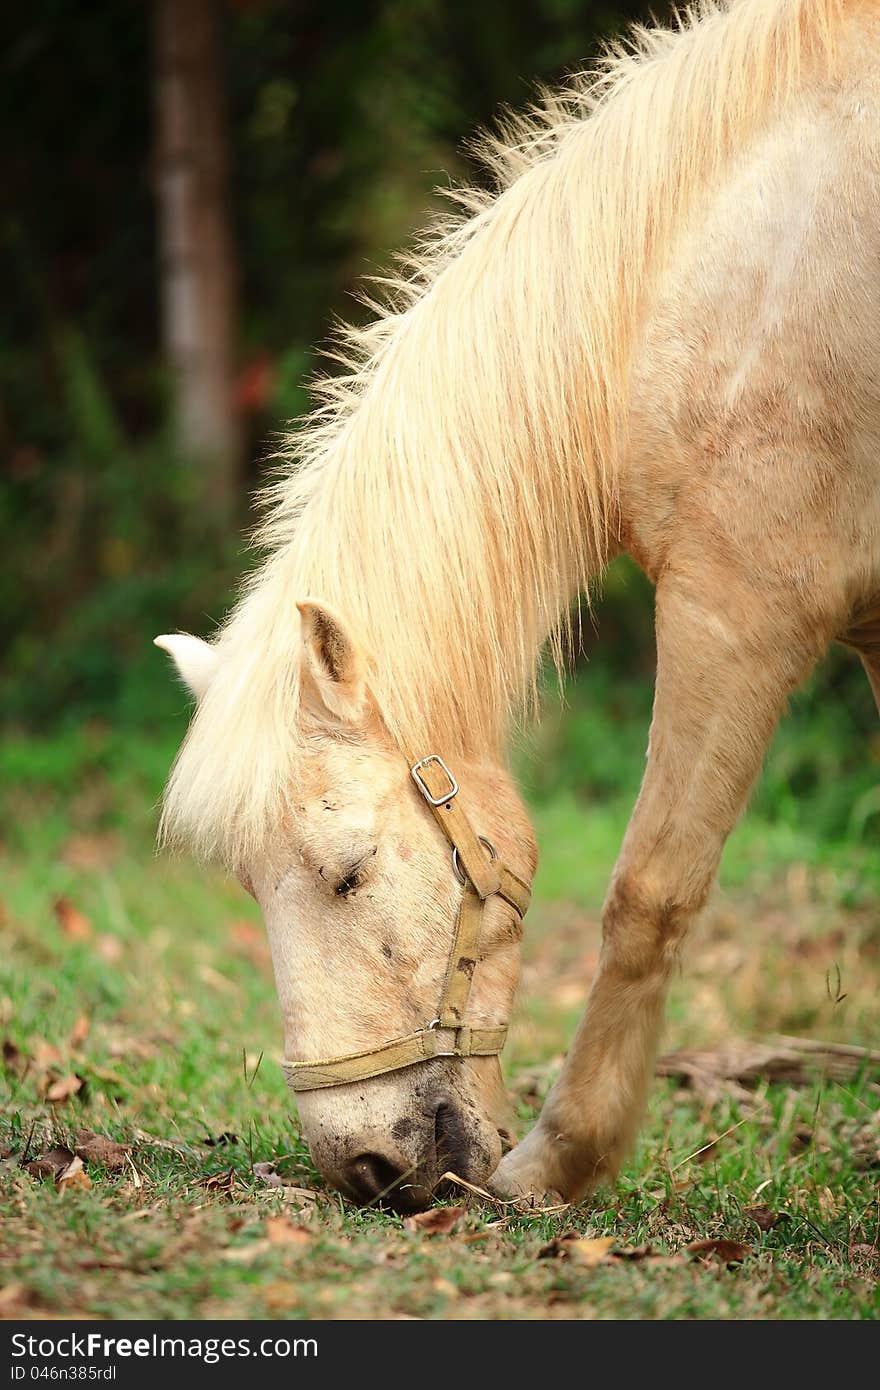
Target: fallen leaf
[(266, 1174), (280, 1230), (61, 1090), (578, 1249), (861, 1248), (251, 939), (71, 921), (45, 1054), (80, 1030), (14, 1059), (279, 1296), (245, 1254), (74, 1176), (801, 1139), (728, 1252), (439, 1221), (50, 1164), (220, 1183), (864, 1148), (95, 1148), (90, 852), (633, 1252), (11, 1297), (215, 980), (675, 1188), (301, 1196), (764, 1218)]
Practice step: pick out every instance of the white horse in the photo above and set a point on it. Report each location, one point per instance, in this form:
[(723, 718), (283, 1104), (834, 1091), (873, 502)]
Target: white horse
[(660, 335)]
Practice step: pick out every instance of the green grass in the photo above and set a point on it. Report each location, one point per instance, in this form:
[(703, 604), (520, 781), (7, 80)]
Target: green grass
[(170, 975)]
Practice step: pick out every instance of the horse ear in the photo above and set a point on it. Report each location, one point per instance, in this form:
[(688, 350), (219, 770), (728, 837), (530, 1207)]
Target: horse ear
[(196, 661), (333, 661)]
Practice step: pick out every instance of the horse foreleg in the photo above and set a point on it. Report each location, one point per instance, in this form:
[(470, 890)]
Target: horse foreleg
[(727, 658)]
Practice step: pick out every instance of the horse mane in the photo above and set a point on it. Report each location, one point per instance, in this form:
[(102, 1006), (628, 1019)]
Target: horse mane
[(454, 489)]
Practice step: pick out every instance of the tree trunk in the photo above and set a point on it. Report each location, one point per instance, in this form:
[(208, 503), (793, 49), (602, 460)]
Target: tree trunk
[(197, 257)]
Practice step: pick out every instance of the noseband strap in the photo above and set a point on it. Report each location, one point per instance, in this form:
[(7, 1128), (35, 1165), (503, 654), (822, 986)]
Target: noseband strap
[(482, 875)]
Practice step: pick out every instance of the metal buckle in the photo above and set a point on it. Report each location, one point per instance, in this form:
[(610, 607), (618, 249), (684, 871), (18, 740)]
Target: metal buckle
[(420, 783), (456, 865), (434, 1027)]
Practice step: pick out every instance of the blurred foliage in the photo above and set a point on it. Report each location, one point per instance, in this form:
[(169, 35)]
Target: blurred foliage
[(342, 117), (823, 772)]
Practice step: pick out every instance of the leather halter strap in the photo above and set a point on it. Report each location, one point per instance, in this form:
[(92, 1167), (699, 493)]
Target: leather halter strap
[(482, 876)]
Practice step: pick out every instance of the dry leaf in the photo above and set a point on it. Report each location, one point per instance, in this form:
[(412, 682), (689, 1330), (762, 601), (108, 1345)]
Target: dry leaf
[(60, 1091), (729, 1252), (45, 1054), (801, 1139), (90, 852), (266, 1174), (245, 1254), (862, 1248), (279, 1295), (222, 1184), (302, 1196), (578, 1249), (50, 1164), (251, 939), (80, 1031), (633, 1252), (74, 1176), (439, 1221), (764, 1218), (71, 921), (14, 1059), (11, 1296), (280, 1230), (95, 1148)]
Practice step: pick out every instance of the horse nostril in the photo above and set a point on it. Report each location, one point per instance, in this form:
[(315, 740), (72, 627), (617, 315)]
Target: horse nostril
[(374, 1178), (450, 1139)]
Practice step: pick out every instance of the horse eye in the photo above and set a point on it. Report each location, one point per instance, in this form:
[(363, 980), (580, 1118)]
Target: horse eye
[(354, 876)]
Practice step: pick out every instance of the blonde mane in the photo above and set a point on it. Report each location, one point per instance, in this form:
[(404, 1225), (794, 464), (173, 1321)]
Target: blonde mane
[(455, 489)]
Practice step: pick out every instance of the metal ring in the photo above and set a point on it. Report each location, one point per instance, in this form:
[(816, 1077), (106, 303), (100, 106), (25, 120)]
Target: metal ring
[(456, 868)]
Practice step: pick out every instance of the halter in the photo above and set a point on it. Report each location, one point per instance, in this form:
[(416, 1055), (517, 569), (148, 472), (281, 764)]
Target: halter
[(446, 1035)]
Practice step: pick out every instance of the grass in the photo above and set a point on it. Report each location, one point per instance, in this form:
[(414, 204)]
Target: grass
[(150, 980)]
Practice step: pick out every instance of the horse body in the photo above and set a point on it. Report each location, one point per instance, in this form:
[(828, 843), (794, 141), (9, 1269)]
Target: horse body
[(750, 494), (753, 415), (720, 421)]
